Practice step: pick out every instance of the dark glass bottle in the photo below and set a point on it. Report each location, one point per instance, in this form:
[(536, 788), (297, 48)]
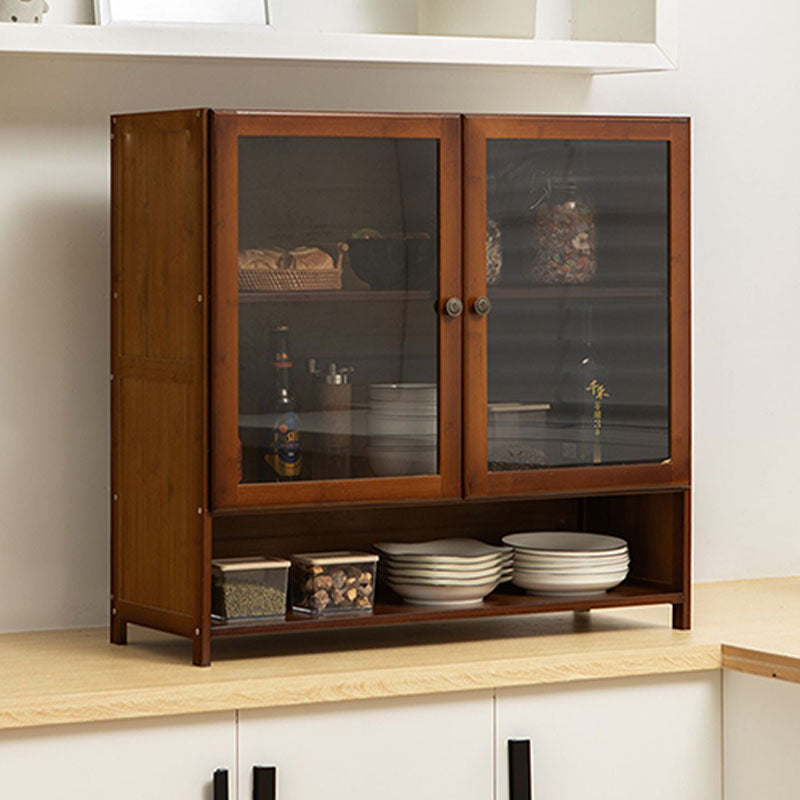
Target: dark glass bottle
[(283, 454)]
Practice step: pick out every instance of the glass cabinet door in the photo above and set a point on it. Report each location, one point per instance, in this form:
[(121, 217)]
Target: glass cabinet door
[(578, 291), (335, 239)]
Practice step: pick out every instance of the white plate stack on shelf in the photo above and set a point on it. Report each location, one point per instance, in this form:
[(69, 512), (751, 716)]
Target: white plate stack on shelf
[(445, 572), (568, 564), (402, 425)]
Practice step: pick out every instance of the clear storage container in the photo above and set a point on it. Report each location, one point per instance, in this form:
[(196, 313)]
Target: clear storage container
[(323, 583), (564, 234), (518, 436), (248, 588)]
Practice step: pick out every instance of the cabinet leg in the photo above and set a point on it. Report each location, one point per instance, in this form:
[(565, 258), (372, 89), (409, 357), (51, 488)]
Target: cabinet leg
[(201, 650), (119, 630), (681, 616)]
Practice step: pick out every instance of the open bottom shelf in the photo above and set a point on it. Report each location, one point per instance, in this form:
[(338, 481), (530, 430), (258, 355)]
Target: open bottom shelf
[(390, 610)]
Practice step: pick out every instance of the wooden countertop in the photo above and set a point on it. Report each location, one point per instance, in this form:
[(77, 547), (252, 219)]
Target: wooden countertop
[(71, 676)]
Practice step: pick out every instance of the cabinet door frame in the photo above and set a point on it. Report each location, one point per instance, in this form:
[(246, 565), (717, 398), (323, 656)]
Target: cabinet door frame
[(226, 127), (674, 471)]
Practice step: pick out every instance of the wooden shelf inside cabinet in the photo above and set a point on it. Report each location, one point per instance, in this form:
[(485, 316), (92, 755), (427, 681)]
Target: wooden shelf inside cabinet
[(503, 602), (575, 292), (338, 296)]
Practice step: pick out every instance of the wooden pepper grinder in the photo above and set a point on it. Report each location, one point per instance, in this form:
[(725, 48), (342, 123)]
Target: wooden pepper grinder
[(332, 400)]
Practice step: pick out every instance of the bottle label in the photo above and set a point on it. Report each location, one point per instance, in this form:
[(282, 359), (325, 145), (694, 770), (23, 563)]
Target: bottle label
[(285, 456), (598, 393)]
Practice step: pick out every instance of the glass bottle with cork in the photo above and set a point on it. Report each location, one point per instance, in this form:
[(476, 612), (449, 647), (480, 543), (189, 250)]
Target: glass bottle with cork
[(283, 454), (583, 393)]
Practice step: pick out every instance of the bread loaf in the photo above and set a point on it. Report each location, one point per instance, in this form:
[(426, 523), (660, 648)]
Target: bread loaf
[(274, 258), (311, 258), (269, 258)]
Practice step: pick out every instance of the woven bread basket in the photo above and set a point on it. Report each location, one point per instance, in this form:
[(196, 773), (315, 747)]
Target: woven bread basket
[(291, 279)]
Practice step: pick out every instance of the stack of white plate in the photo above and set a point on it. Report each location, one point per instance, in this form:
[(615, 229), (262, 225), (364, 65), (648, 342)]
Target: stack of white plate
[(566, 564), (401, 421), (445, 572)]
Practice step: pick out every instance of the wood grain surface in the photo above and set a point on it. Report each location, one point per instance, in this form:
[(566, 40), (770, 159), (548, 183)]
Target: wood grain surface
[(161, 542), (228, 127), (673, 471), (76, 676)]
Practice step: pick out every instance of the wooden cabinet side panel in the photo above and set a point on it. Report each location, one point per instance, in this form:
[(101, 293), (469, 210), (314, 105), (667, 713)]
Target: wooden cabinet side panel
[(655, 525), (160, 545)]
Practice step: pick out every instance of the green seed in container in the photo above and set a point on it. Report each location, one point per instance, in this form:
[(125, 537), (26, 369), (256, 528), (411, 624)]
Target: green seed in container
[(252, 600), (249, 587)]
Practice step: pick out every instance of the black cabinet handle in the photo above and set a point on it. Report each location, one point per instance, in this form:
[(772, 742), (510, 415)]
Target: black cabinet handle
[(264, 783), (519, 769), (221, 784)]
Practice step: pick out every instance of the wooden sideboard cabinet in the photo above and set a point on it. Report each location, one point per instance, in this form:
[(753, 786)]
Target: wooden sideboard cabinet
[(473, 325)]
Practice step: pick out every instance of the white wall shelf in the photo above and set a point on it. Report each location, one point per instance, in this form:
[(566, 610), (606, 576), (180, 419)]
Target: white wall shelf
[(263, 43)]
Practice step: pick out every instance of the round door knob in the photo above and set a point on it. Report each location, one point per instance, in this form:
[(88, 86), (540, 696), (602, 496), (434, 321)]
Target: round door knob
[(454, 307), (482, 306)]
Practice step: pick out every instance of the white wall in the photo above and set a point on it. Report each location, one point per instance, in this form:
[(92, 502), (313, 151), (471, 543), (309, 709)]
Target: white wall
[(737, 79)]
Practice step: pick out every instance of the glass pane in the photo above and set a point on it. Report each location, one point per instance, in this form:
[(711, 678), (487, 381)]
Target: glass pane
[(338, 330), (578, 274)]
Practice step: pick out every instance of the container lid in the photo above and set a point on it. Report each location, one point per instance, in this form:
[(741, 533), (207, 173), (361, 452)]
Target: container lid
[(336, 557), (251, 562)]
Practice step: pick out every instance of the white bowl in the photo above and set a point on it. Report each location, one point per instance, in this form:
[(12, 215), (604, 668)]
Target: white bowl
[(446, 548), (565, 542), (403, 442), (570, 564), (453, 563), (570, 575), (403, 408), (401, 425), (430, 595), (577, 586), (442, 578), (569, 558), (402, 461), (402, 392)]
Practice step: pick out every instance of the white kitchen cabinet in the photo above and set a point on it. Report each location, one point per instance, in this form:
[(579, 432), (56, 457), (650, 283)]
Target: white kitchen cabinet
[(621, 739), (762, 737), (426, 748), (173, 758)]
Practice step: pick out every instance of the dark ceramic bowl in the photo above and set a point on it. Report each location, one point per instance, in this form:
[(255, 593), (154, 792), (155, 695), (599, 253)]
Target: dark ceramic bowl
[(394, 263)]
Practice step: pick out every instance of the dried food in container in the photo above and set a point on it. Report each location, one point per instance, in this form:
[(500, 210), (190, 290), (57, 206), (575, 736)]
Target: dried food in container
[(322, 583), (564, 236)]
